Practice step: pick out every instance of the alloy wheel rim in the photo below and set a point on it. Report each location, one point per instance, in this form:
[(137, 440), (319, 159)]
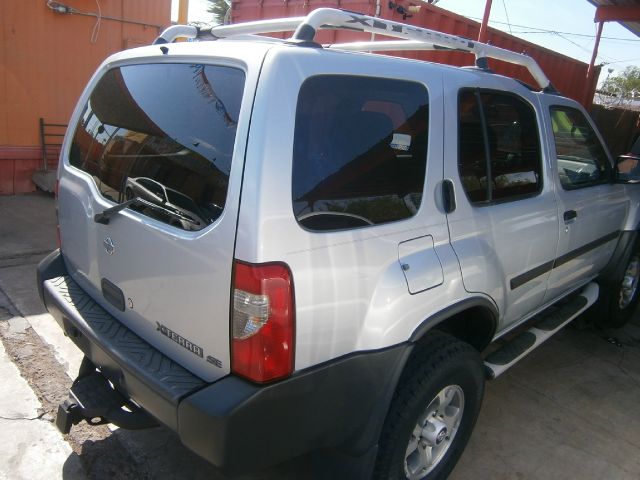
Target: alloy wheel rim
[(434, 432), (629, 284)]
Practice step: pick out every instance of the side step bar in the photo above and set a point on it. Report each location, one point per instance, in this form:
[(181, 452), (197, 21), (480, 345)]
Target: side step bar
[(548, 324)]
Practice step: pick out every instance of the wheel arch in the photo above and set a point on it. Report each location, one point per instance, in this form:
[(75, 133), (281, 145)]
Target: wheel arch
[(478, 313), (473, 321), (614, 270)]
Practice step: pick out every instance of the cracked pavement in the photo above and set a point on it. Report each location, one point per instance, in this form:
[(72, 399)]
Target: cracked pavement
[(568, 410), (32, 447)]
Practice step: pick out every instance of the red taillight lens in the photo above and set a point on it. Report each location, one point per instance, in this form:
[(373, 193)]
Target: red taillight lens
[(262, 322)]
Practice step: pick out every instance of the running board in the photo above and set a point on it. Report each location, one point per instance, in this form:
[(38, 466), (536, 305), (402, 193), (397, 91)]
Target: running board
[(547, 325)]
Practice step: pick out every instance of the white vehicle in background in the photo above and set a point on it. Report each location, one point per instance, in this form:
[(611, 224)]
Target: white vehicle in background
[(374, 224)]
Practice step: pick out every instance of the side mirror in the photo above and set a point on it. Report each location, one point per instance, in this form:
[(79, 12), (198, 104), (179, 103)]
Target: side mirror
[(628, 169)]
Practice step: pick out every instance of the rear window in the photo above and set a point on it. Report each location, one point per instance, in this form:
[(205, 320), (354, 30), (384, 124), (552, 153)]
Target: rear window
[(163, 133), (359, 154)]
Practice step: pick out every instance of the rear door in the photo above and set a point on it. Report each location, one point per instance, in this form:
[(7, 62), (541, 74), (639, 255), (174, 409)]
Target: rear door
[(172, 135), (505, 226)]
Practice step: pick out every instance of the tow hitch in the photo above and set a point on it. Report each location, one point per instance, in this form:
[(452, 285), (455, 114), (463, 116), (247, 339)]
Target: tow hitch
[(92, 398)]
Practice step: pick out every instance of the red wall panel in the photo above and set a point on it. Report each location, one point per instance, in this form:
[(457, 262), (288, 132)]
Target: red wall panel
[(46, 58)]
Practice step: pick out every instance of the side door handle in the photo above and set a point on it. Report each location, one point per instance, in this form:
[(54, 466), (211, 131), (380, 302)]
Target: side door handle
[(570, 215), (448, 196)]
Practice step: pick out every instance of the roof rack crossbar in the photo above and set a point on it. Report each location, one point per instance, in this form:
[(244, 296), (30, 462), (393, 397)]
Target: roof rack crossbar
[(169, 34), (257, 27), (222, 31), (386, 46), (344, 19), (415, 38)]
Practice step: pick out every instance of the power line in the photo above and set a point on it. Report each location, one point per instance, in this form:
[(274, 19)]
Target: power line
[(546, 30), (625, 61), (506, 14), (561, 35), (584, 49), (575, 35)]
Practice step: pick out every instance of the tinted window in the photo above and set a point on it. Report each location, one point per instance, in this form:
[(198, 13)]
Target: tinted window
[(359, 153), (582, 161), (497, 139), (164, 133)]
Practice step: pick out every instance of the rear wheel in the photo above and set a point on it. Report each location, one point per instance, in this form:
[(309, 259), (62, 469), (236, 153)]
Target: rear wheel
[(433, 411)]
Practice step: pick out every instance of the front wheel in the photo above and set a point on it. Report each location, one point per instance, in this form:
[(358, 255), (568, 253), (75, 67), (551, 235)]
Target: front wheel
[(618, 300), (433, 411)]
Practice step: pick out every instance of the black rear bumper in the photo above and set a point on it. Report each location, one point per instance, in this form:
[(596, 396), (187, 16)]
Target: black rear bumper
[(236, 425)]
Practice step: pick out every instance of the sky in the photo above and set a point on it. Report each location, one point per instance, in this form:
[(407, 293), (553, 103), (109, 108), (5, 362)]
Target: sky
[(565, 26)]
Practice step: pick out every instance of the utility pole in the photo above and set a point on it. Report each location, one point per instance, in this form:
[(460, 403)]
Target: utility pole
[(183, 12), (482, 37)]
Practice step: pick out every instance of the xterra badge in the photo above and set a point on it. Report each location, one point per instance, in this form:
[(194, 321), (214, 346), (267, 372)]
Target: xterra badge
[(179, 339)]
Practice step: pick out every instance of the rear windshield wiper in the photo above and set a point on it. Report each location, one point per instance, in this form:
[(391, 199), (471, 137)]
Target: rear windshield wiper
[(104, 216)]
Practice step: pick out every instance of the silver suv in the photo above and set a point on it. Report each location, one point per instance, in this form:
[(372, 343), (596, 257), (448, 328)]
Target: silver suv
[(275, 247)]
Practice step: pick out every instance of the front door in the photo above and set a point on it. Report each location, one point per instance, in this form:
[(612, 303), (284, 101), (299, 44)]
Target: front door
[(591, 209)]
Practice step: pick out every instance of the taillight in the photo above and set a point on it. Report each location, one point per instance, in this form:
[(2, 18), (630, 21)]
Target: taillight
[(55, 193), (262, 322)]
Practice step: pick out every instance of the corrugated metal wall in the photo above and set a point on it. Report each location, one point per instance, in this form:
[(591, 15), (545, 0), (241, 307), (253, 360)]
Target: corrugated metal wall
[(46, 58), (567, 74)]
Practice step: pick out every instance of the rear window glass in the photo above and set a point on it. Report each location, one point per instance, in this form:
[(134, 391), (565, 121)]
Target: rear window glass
[(165, 134), (359, 153)]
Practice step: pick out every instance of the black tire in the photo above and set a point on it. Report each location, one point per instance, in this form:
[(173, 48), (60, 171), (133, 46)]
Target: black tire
[(611, 309), (439, 363)]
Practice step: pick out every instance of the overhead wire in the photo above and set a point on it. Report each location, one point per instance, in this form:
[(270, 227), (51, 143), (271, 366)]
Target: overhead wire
[(559, 34), (572, 34), (504, 5), (96, 27), (64, 9), (546, 30)]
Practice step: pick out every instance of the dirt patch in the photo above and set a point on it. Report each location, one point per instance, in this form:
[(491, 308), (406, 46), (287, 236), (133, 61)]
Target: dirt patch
[(101, 454)]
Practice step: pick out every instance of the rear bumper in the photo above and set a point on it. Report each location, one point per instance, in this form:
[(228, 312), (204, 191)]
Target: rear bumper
[(236, 425)]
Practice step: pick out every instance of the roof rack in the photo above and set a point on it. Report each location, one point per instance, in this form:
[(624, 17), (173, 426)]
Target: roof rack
[(416, 38), (223, 31)]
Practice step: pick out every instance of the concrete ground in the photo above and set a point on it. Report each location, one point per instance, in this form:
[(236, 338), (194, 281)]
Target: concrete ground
[(569, 410)]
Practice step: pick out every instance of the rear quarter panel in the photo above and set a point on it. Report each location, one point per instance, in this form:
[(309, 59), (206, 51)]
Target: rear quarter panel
[(350, 291)]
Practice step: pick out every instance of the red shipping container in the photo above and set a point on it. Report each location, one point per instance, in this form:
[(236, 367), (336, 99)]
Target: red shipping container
[(568, 75)]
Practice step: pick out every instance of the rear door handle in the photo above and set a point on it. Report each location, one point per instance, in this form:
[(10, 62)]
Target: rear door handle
[(448, 196), (570, 215)]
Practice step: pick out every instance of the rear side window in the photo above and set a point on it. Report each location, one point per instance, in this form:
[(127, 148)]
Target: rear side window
[(359, 154), (582, 160), (497, 140), (165, 134)]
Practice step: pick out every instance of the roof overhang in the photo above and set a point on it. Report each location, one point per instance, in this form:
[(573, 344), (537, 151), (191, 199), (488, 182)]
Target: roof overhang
[(625, 12)]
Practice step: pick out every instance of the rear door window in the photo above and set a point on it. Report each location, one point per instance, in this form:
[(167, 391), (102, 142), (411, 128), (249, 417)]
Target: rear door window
[(359, 155), (164, 133), (497, 139)]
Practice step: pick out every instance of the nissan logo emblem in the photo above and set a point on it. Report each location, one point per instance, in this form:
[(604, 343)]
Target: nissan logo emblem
[(109, 246)]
